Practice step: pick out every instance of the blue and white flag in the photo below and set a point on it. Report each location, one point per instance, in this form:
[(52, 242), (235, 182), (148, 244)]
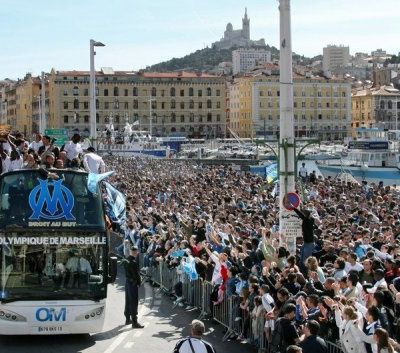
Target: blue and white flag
[(189, 267), (94, 179), (117, 204), (178, 253), (275, 191), (271, 172)]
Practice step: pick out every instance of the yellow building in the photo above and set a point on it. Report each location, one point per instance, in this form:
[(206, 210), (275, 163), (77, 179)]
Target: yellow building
[(5, 86), (22, 100), (376, 107), (11, 106), (241, 107), (185, 103), (322, 107), (25, 96), (363, 114)]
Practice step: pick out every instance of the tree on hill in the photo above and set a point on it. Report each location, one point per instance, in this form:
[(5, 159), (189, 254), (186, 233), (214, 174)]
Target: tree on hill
[(207, 58)]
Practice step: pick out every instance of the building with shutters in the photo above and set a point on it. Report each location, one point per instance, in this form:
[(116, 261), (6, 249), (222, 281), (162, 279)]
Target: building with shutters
[(179, 103), (322, 107)]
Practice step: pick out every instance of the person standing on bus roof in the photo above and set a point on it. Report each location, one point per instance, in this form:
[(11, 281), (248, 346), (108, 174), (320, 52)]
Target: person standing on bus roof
[(93, 163), (35, 145), (48, 147), (73, 149), (16, 161), (132, 284), (4, 160)]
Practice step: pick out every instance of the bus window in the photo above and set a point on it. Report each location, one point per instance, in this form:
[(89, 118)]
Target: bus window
[(60, 271)]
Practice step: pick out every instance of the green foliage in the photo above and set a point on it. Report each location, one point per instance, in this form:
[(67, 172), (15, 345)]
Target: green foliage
[(202, 59), (207, 58), (395, 59)]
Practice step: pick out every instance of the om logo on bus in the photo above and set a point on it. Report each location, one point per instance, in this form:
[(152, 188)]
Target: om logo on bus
[(51, 314), (53, 206)]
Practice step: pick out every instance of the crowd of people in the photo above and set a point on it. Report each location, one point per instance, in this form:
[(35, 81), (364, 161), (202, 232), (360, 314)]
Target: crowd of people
[(16, 152), (341, 286)]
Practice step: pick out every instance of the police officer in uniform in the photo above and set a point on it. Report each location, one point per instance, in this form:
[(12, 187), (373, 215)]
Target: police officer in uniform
[(132, 284)]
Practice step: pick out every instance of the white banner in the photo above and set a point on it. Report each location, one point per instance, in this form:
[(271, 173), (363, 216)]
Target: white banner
[(290, 230)]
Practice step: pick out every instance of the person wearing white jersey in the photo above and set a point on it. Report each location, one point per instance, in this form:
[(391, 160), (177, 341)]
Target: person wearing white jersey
[(93, 163), (73, 149), (194, 343), (35, 145), (4, 160)]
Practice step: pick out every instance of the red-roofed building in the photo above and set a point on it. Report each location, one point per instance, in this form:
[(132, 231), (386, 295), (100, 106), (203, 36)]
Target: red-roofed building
[(180, 103)]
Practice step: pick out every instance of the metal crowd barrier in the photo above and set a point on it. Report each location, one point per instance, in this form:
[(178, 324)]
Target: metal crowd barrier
[(333, 348), (196, 294), (205, 309)]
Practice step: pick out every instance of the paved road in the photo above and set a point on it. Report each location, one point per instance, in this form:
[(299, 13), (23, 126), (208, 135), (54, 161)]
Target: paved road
[(163, 327)]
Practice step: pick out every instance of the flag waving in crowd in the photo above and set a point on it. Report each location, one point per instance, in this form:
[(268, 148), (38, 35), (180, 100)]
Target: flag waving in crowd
[(117, 204)]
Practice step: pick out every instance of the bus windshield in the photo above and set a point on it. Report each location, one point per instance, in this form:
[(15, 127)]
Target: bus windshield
[(57, 266), (30, 200)]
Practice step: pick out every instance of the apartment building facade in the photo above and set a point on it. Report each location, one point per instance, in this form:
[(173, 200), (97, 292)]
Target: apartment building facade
[(335, 57), (244, 59), (322, 107), (376, 107), (179, 103)]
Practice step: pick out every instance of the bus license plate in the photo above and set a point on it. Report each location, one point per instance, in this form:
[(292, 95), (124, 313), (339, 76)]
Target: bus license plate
[(49, 329)]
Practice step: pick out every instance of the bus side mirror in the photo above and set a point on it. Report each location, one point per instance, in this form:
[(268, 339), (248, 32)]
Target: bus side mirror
[(112, 269)]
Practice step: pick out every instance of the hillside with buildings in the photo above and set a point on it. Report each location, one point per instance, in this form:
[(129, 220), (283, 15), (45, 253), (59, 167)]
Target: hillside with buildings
[(203, 60), (219, 57), (213, 59)]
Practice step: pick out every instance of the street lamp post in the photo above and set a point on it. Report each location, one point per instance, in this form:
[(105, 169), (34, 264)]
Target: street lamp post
[(288, 223), (265, 128), (42, 116), (39, 98), (93, 122), (151, 100)]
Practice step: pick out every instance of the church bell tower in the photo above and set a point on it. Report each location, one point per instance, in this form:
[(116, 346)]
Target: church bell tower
[(246, 25)]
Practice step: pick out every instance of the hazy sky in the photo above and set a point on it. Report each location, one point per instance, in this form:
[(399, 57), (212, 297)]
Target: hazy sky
[(38, 35)]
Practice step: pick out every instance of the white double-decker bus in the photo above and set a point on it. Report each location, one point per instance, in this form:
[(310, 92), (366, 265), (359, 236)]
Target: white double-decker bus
[(54, 258)]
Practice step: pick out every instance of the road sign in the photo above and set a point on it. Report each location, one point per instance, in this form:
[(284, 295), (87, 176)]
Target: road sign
[(61, 135), (291, 201)]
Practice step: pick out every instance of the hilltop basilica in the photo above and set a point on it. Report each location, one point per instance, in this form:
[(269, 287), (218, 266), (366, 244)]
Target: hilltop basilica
[(238, 37)]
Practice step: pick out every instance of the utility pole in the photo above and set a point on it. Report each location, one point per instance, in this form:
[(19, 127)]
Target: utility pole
[(289, 225), (151, 100), (265, 129), (40, 115), (43, 124), (93, 122)]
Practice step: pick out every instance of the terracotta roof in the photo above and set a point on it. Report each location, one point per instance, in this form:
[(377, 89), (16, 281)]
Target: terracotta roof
[(382, 91), (184, 74), (178, 74), (386, 91), (98, 73), (360, 93)]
